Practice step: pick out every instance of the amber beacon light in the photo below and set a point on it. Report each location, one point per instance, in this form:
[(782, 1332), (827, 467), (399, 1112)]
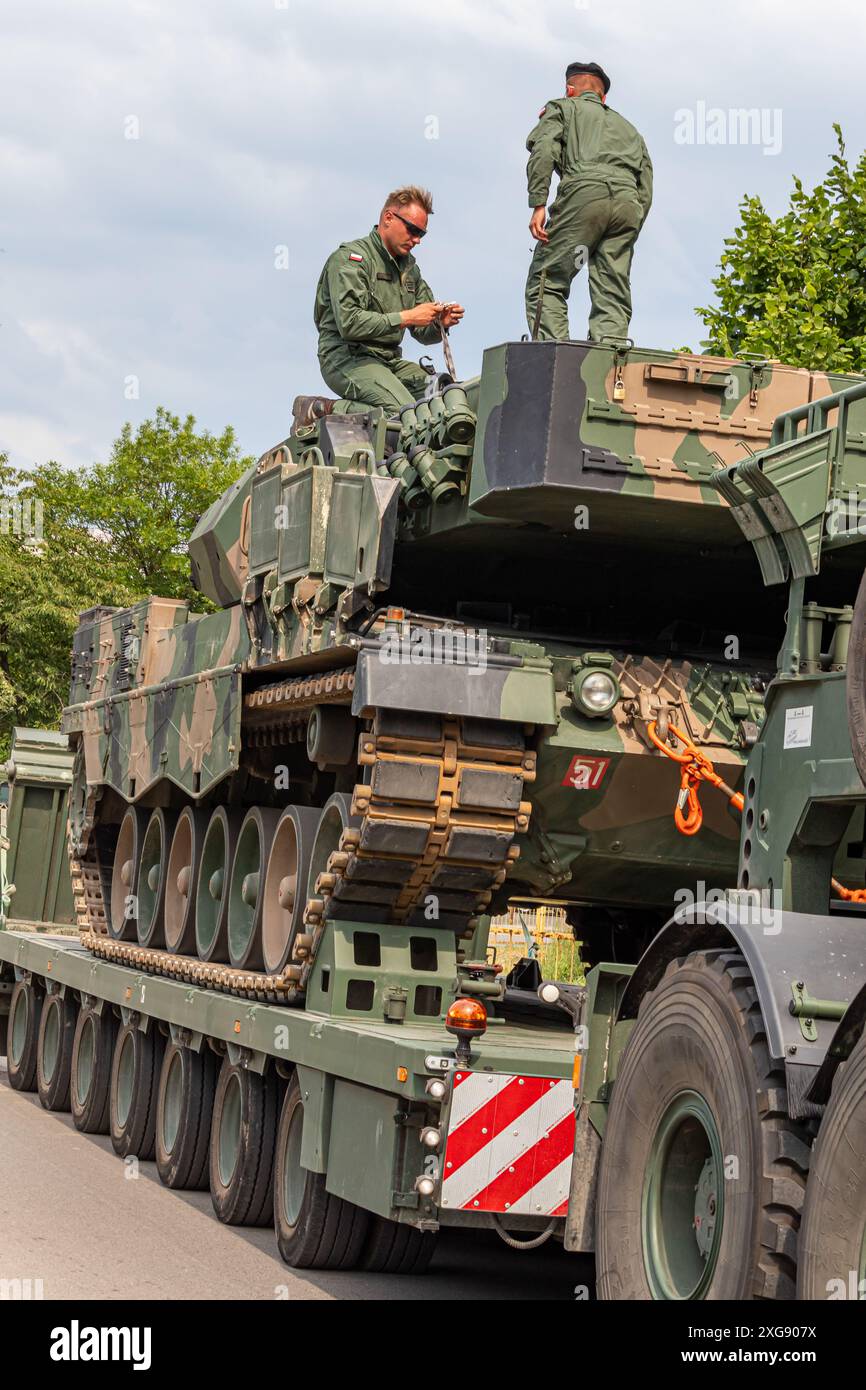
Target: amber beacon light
[(466, 1019)]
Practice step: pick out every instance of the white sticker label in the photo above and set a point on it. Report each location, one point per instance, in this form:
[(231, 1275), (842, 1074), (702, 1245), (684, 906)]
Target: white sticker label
[(798, 727)]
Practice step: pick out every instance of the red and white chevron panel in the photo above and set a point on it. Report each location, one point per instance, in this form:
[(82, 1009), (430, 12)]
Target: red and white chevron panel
[(510, 1144)]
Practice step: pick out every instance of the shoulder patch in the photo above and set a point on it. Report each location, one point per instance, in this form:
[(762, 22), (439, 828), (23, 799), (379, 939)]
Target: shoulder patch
[(541, 112), (355, 256)]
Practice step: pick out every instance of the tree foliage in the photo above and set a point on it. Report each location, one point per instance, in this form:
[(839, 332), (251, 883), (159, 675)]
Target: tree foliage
[(794, 287), (111, 533)]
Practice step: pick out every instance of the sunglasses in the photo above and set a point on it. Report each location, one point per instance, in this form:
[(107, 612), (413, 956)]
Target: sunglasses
[(419, 232)]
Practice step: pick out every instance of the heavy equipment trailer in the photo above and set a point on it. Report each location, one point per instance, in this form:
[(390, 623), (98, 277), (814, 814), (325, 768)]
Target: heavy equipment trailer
[(385, 1115), (291, 820)]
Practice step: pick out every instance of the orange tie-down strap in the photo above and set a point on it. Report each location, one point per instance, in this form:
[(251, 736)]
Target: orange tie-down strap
[(697, 768)]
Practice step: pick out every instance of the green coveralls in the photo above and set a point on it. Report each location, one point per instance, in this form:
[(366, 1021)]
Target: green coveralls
[(359, 298), (604, 195)]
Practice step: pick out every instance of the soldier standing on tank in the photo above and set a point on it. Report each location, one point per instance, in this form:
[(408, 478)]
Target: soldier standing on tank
[(369, 292), (604, 195)]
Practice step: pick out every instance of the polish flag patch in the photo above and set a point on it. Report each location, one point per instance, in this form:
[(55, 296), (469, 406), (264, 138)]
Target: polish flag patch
[(353, 256)]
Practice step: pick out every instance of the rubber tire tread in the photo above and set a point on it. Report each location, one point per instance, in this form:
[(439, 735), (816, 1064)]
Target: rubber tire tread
[(834, 1219), (91, 1117), (22, 1077), (395, 1248), (187, 1167), (248, 1198), (138, 1136), (54, 1094), (330, 1232), (704, 1014)]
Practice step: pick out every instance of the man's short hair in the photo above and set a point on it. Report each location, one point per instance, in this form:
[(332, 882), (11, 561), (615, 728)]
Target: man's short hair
[(586, 82), (403, 197)]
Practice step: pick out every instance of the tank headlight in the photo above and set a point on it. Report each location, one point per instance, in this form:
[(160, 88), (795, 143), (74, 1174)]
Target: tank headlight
[(596, 692)]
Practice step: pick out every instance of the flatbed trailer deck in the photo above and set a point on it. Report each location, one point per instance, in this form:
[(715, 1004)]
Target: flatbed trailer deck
[(370, 1121)]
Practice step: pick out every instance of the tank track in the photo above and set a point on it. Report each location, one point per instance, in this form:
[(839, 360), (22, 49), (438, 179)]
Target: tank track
[(282, 699), (91, 879), (431, 837)]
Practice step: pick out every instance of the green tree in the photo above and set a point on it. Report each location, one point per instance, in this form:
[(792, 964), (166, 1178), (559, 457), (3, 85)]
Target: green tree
[(794, 287), (108, 534)]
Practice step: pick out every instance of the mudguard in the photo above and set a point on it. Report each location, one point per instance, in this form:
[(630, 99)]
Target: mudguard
[(821, 956)]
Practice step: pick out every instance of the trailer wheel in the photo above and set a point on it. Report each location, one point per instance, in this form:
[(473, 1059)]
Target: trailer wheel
[(134, 1083), (833, 1238), (92, 1052), (395, 1248), (702, 1174), (315, 1229), (243, 1134), (22, 1035), (184, 1111), (54, 1053)]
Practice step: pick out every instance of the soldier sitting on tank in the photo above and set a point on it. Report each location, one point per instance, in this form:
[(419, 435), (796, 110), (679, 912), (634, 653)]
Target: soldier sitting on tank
[(604, 195), (369, 292)]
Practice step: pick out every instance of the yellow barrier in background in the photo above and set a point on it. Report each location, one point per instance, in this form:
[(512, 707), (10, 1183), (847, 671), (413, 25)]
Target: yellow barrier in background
[(546, 925)]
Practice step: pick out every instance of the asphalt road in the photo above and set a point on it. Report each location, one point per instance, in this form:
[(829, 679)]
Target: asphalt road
[(73, 1215)]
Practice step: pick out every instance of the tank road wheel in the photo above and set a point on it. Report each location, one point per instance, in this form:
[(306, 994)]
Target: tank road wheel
[(702, 1174), (184, 1111), (122, 914), (284, 897), (315, 1229), (22, 1035), (833, 1235), (54, 1053), (335, 817), (212, 886), (247, 880), (242, 1145), (92, 1052), (392, 1247), (134, 1083), (181, 877), (152, 877)]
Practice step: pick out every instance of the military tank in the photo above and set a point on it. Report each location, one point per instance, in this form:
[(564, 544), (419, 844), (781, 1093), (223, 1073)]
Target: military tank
[(490, 646)]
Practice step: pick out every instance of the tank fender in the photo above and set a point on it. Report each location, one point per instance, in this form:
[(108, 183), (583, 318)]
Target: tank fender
[(497, 687), (785, 951)]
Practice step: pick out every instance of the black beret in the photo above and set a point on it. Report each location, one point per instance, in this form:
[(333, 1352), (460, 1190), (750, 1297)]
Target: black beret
[(589, 67)]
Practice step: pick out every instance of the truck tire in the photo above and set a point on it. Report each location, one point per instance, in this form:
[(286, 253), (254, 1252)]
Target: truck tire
[(54, 1053), (134, 1083), (315, 1229), (92, 1053), (22, 1035), (184, 1111), (392, 1247), (833, 1237), (243, 1135), (702, 1175)]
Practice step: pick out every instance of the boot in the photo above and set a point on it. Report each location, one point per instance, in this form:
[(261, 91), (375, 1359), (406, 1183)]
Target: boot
[(308, 409)]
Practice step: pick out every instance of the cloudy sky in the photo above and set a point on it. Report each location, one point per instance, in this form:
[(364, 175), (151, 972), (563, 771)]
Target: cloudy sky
[(175, 172)]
